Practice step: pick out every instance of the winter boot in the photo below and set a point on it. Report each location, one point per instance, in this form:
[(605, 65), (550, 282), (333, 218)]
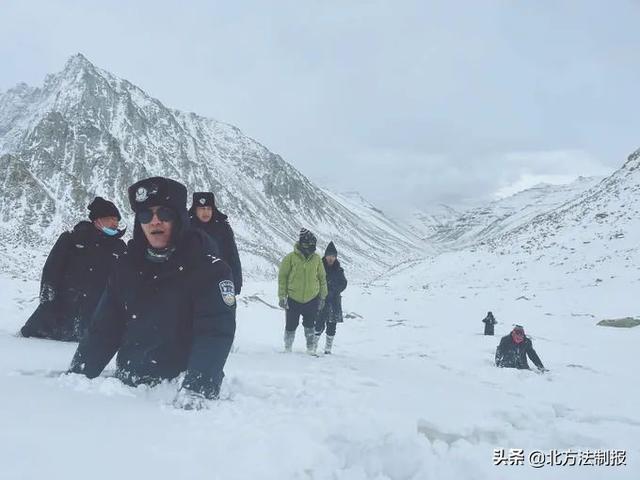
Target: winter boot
[(310, 335), (316, 339), (288, 340), (328, 344)]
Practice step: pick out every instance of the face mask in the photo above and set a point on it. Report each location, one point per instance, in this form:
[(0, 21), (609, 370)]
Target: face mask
[(110, 232)]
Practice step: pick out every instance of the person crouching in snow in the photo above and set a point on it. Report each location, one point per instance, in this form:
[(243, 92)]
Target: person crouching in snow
[(302, 289), (75, 274), (513, 350), (169, 305), (331, 314), (489, 322)]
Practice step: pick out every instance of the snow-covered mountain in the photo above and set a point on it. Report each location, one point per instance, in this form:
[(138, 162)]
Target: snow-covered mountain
[(596, 231), (450, 229), (86, 132)]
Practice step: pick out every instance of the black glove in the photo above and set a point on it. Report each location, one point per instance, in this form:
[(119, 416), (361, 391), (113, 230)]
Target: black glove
[(282, 303), (238, 288)]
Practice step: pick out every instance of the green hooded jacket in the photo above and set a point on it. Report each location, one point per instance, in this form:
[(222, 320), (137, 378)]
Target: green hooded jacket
[(302, 279)]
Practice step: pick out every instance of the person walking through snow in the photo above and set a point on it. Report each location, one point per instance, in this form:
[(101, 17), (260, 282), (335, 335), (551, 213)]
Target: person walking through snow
[(489, 322), (513, 350), (169, 307), (331, 314), (75, 274), (302, 289)]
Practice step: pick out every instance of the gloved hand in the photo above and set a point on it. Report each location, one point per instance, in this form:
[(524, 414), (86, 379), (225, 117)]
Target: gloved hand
[(190, 400), (282, 303), (321, 304), (238, 288)]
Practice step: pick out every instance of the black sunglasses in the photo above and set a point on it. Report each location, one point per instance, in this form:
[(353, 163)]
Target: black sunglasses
[(164, 214)]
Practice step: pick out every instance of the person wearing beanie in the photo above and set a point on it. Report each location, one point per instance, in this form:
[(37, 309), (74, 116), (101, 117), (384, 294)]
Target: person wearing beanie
[(513, 350), (169, 305), (75, 274), (206, 216), (331, 314), (302, 289)]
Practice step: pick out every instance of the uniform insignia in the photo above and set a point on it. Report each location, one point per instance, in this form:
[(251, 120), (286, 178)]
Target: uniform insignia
[(228, 292), (142, 194), (203, 201)]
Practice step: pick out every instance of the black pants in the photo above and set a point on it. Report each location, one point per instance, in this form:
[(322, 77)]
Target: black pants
[(309, 312), (320, 324), (488, 329)]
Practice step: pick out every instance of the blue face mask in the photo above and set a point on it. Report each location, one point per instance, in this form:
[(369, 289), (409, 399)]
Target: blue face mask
[(109, 231)]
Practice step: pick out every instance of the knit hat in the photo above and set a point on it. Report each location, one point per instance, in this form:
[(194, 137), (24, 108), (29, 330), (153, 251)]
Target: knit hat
[(158, 191), (307, 237), (203, 199), (100, 208), (331, 250)]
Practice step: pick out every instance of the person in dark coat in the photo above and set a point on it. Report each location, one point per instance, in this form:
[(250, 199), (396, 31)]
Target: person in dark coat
[(206, 216), (75, 274), (513, 350), (489, 322), (169, 306), (331, 313)]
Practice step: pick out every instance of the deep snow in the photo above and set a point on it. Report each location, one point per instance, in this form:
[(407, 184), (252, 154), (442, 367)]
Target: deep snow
[(410, 392)]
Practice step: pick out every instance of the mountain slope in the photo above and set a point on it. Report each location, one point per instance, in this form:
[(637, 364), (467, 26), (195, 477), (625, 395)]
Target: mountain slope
[(86, 132), (455, 230)]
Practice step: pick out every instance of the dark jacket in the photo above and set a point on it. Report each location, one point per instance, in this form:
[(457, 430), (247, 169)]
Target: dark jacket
[(510, 354), (73, 279), (336, 284), (220, 231), (489, 322), (164, 318)]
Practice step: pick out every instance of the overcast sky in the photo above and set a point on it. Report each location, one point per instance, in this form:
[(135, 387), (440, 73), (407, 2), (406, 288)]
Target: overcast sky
[(410, 103)]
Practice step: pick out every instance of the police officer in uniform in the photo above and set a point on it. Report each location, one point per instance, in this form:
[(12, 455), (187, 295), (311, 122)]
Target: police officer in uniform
[(169, 305), (206, 216)]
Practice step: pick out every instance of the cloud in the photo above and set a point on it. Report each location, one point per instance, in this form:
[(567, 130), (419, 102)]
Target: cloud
[(410, 102)]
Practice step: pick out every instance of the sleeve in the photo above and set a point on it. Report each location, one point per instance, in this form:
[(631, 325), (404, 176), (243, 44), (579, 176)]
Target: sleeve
[(99, 345), (500, 353), (236, 266), (533, 355), (214, 326), (342, 282), (283, 276), (54, 268), (322, 279)]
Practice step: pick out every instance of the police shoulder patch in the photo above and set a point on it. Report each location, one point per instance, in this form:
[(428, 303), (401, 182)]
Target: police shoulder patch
[(228, 292)]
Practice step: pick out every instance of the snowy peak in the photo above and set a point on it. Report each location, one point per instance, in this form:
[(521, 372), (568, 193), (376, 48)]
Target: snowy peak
[(87, 132)]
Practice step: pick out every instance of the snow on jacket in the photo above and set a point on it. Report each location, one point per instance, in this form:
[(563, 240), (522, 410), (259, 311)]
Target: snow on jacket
[(163, 319), (510, 354)]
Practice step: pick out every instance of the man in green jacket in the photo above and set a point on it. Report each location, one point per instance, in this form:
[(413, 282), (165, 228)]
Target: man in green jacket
[(302, 289)]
